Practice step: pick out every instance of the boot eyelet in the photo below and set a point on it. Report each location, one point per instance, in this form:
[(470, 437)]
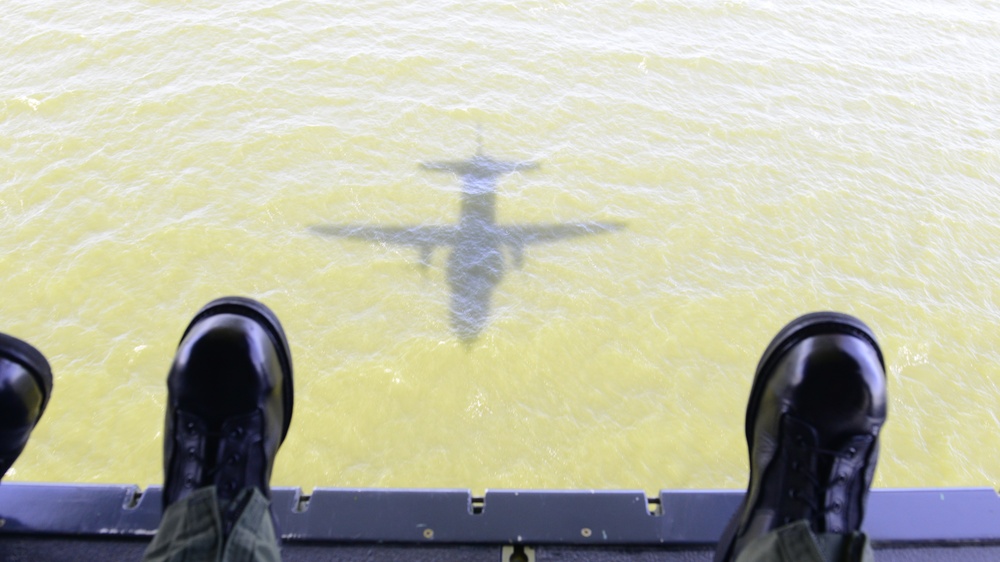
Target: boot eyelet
[(835, 507), (190, 450), (188, 481), (851, 452), (190, 426)]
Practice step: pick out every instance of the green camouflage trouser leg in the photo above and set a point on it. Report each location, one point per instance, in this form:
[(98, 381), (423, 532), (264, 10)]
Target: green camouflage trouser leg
[(191, 530), (797, 543)]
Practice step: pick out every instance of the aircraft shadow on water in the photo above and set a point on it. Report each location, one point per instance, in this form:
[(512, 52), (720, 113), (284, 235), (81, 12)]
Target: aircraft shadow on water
[(476, 263)]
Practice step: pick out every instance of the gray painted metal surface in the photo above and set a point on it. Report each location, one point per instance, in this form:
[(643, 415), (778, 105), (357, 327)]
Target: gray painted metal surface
[(680, 518), (41, 548)]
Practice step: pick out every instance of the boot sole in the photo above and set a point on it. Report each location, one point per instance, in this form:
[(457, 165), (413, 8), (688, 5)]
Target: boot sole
[(33, 361), (796, 331), (259, 312)]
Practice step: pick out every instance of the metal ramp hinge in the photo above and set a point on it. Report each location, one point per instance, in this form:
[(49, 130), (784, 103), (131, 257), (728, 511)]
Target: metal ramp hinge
[(517, 553)]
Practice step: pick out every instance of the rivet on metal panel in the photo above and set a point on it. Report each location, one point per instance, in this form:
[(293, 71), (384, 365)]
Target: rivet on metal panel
[(517, 553), (428, 533), (586, 532)]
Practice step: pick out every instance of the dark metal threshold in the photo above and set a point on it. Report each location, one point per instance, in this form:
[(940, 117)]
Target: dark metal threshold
[(574, 518)]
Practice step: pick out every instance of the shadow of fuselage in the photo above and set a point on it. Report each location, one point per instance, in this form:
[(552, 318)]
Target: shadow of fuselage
[(477, 262)]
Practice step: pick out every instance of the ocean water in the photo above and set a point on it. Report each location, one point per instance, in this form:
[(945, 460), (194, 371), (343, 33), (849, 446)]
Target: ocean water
[(767, 158)]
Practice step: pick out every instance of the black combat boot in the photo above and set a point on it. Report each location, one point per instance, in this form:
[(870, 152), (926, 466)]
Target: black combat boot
[(25, 387), (817, 404), (229, 401)]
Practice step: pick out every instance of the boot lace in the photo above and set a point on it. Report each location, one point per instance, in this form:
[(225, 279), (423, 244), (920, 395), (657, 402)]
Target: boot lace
[(812, 469)]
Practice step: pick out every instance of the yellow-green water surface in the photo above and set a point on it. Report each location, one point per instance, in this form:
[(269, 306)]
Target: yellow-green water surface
[(769, 159)]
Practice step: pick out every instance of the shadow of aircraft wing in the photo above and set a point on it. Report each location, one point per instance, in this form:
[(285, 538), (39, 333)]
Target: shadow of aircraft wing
[(420, 236), (526, 234), (516, 237), (425, 238)]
